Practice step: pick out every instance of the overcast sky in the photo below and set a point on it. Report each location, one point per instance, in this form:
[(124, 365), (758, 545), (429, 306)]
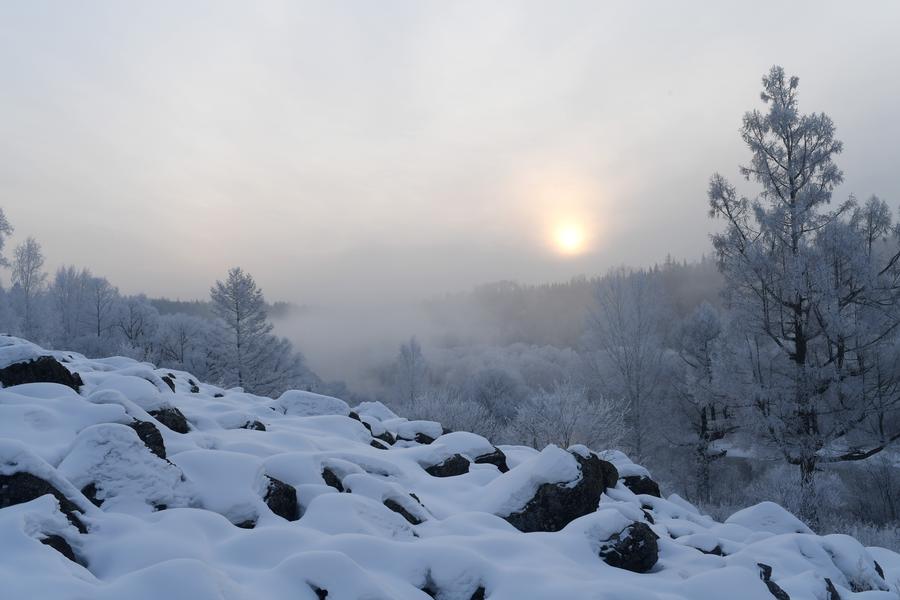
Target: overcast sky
[(366, 148)]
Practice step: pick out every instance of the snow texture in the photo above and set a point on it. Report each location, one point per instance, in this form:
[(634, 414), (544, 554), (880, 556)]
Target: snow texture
[(198, 525)]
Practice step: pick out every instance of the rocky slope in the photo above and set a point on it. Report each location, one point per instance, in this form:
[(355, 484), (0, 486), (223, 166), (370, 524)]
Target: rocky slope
[(120, 480)]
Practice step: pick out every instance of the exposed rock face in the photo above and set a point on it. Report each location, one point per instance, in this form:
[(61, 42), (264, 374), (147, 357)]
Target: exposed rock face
[(59, 543), (765, 573), (151, 436), (555, 505), (172, 418), (397, 508), (634, 549), (639, 484), (254, 425), (44, 369), (281, 499), (423, 438), (453, 466), (25, 487), (169, 380), (332, 479), (496, 458), (831, 590)]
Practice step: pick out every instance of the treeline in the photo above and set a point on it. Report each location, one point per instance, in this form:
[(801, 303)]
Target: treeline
[(227, 340)]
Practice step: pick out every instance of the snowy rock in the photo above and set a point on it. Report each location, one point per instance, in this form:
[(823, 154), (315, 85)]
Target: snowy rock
[(45, 369), (122, 472), (150, 435), (451, 467), (566, 495), (641, 484), (296, 403), (172, 418), (769, 517), (281, 499), (495, 457), (20, 487), (633, 549)]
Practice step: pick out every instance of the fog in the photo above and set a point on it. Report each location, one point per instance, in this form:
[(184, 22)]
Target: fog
[(360, 157)]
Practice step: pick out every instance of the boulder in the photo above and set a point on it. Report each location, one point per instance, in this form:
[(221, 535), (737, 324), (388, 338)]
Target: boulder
[(634, 549), (21, 487), (451, 467), (831, 590), (43, 369), (151, 436), (496, 458), (555, 505), (254, 425), (281, 499), (640, 484), (172, 418)]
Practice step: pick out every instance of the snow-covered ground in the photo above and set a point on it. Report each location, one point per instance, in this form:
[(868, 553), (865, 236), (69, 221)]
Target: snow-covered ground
[(304, 497)]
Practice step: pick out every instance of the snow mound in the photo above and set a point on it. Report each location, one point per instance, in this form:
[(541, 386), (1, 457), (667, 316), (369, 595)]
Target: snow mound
[(206, 493)]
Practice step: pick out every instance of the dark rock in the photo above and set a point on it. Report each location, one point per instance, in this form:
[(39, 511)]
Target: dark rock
[(634, 549), (172, 418), (355, 416), (254, 425), (717, 551), (25, 487), (496, 458), (453, 466), (379, 444), (195, 389), (281, 499), (170, 381), (555, 505), (44, 369), (445, 430), (397, 508), (648, 516), (159, 507), (218, 395), (765, 573), (150, 435), (423, 438), (831, 590), (59, 543), (387, 437), (320, 593), (478, 594), (640, 484), (90, 492), (879, 570), (332, 479), (248, 524)]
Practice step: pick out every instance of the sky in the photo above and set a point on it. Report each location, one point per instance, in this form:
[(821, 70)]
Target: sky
[(344, 151)]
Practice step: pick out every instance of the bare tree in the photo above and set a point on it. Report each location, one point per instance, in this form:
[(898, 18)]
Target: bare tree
[(29, 278), (815, 304), (625, 334), (565, 415)]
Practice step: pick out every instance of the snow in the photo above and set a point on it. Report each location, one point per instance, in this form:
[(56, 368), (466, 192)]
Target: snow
[(350, 544)]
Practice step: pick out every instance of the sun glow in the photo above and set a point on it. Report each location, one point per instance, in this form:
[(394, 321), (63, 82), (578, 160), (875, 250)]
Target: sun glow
[(569, 239)]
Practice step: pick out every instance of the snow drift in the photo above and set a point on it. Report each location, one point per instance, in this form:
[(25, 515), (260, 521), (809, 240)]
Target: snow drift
[(120, 480)]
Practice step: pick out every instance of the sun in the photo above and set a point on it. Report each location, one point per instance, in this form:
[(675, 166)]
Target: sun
[(569, 238)]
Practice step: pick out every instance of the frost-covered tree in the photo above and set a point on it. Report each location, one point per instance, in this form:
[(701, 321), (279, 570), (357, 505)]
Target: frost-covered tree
[(6, 230), (101, 301), (240, 308), (137, 321), (409, 373), (182, 342), (566, 415), (699, 394), (624, 336), (29, 278), (68, 297), (815, 303)]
